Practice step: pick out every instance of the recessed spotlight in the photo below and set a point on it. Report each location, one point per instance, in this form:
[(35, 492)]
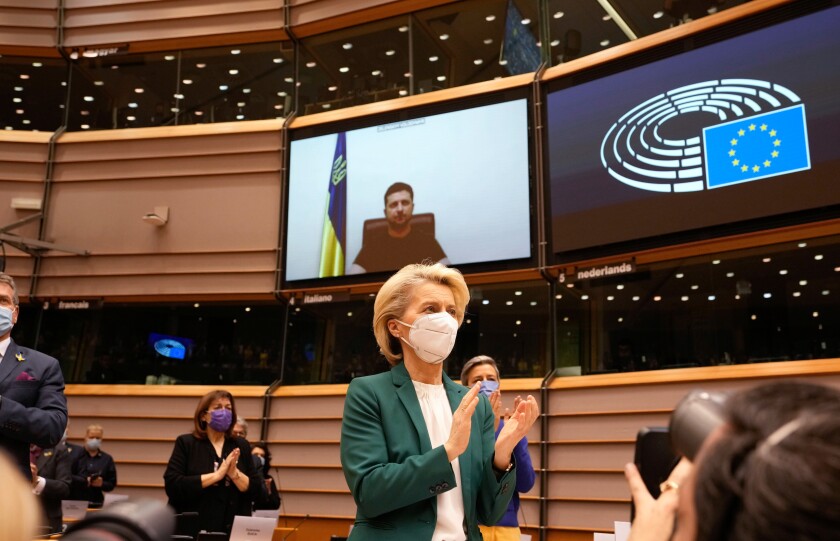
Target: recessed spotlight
[(187, 81), (679, 275), (490, 18), (433, 59), (558, 296), (201, 65), (26, 121), (19, 111), (684, 298), (695, 287), (131, 118), (610, 298), (605, 42), (444, 37), (606, 18), (508, 303), (566, 318), (517, 293), (803, 282), (503, 62), (797, 294), (620, 320), (282, 94), (526, 20), (18, 89), (343, 69), (533, 303), (716, 262), (636, 297), (233, 72), (783, 272), (223, 87), (485, 301), (403, 29), (88, 98), (558, 14), (240, 117), (169, 57), (332, 88), (235, 51), (347, 46), (36, 64), (478, 61), (178, 96), (818, 257), (277, 60), (17, 100), (403, 92), (311, 64), (712, 297), (519, 322), (133, 105), (657, 298), (584, 297), (85, 126), (555, 42), (815, 314), (753, 317), (730, 274), (441, 77), (199, 113), (390, 52), (766, 260), (767, 295), (802, 244), (196, 305), (376, 73), (99, 83), (84, 112), (826, 292), (289, 80), (658, 14), (240, 104), (278, 106), (174, 109), (138, 90), (488, 41)]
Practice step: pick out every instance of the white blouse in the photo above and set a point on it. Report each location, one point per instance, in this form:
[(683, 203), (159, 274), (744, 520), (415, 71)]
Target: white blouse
[(450, 504)]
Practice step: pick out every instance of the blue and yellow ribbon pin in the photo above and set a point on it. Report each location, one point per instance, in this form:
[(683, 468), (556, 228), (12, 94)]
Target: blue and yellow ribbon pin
[(20, 357)]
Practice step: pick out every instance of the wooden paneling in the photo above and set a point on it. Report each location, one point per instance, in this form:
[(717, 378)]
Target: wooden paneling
[(221, 184), (27, 27), (309, 17), (120, 22)]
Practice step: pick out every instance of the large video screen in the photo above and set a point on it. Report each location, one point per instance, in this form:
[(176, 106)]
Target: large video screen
[(734, 132), (452, 187)]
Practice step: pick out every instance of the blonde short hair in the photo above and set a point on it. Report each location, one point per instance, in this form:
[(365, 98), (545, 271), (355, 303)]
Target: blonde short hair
[(396, 294), (20, 510)]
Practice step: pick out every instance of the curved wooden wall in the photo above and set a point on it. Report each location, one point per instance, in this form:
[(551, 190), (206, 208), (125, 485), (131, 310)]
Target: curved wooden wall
[(29, 28), (592, 423), (221, 183)]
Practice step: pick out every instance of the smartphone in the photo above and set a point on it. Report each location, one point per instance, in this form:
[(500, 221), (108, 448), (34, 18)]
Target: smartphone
[(655, 459)]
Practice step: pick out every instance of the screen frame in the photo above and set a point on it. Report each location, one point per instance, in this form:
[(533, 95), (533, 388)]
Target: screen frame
[(524, 92), (658, 50)]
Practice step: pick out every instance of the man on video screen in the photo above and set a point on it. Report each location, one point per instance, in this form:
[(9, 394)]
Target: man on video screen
[(399, 244)]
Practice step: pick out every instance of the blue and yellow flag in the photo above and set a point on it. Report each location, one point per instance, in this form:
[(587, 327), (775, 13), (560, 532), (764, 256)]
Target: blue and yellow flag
[(333, 244), (757, 147)]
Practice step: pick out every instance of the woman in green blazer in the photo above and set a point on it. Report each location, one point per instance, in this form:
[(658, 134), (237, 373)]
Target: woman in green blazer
[(417, 449)]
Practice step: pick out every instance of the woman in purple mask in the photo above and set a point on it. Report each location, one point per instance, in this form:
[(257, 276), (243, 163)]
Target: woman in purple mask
[(211, 471)]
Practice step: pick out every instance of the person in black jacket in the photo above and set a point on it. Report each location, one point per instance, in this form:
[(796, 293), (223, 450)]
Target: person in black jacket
[(51, 480), (211, 472), (269, 497), (94, 471)]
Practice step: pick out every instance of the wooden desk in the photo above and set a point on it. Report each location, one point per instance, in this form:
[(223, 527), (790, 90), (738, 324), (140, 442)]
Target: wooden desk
[(281, 533)]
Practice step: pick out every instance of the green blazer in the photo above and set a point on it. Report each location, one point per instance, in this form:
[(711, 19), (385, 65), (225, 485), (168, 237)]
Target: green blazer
[(395, 475)]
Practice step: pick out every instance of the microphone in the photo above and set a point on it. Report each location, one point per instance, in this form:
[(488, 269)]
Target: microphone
[(304, 519)]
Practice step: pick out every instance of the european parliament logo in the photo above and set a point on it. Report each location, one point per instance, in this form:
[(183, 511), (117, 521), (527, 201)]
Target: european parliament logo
[(761, 132)]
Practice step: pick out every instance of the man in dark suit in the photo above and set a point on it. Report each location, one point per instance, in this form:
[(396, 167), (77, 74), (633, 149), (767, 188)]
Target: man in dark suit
[(51, 480), (33, 408)]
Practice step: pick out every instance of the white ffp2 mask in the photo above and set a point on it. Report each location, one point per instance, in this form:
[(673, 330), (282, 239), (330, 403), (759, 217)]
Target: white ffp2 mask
[(432, 336)]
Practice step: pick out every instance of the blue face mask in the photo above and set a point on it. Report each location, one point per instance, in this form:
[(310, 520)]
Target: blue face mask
[(6, 323), (488, 386)]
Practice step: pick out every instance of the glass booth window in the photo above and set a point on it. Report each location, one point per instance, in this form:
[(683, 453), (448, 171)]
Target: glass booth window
[(33, 91), (775, 303)]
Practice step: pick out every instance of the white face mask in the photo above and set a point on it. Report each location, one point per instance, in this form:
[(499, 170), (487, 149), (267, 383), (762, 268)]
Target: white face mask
[(432, 336)]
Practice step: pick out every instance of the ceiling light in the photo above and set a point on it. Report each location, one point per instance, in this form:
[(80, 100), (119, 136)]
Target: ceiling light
[(131, 118), (390, 52), (797, 294), (433, 59), (767, 295), (783, 272), (132, 105), (278, 60), (533, 303), (610, 298), (199, 113), (555, 42), (175, 110), (289, 80), (223, 87), (803, 282), (619, 286), (716, 262), (246, 90), (240, 117), (332, 88), (519, 322), (139, 90), (802, 244), (187, 81), (99, 83), (376, 73), (730, 274), (241, 104), (636, 297), (657, 298), (88, 98), (815, 314), (684, 298), (36, 64), (444, 37), (558, 15), (282, 94), (509, 303), (441, 77), (605, 42), (695, 287), (753, 317), (233, 72), (201, 65), (488, 41), (826, 291), (26, 121), (19, 111), (490, 18), (18, 89), (503, 62), (310, 64), (679, 275), (658, 14), (403, 92), (606, 18), (558, 296), (711, 297), (85, 126), (517, 293), (584, 297), (766, 260), (818, 257), (17, 100), (235, 51), (347, 46), (478, 61), (115, 67), (84, 112), (178, 96), (403, 29), (344, 69), (24, 76), (485, 301)]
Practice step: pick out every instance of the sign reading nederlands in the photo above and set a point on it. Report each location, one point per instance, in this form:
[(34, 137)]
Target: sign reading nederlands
[(602, 271)]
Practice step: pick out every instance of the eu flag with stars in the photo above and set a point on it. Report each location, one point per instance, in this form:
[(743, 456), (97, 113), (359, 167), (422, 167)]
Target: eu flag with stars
[(757, 147), (333, 244)]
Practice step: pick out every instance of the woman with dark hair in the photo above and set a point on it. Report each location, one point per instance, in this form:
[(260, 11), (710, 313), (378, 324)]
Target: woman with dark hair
[(269, 497), (211, 472), (771, 472)]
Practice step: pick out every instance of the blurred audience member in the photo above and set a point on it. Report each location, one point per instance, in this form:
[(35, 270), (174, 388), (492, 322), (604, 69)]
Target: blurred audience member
[(240, 428), (483, 369), (211, 471), (51, 480), (770, 473), (94, 471), (269, 498), (20, 514)]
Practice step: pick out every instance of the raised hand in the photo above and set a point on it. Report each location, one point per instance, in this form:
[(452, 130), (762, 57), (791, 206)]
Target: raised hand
[(459, 434), (516, 427), (229, 465), (655, 519), (496, 404)]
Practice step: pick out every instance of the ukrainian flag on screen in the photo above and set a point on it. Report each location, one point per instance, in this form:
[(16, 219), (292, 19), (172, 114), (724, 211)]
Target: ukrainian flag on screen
[(757, 147), (333, 244)]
